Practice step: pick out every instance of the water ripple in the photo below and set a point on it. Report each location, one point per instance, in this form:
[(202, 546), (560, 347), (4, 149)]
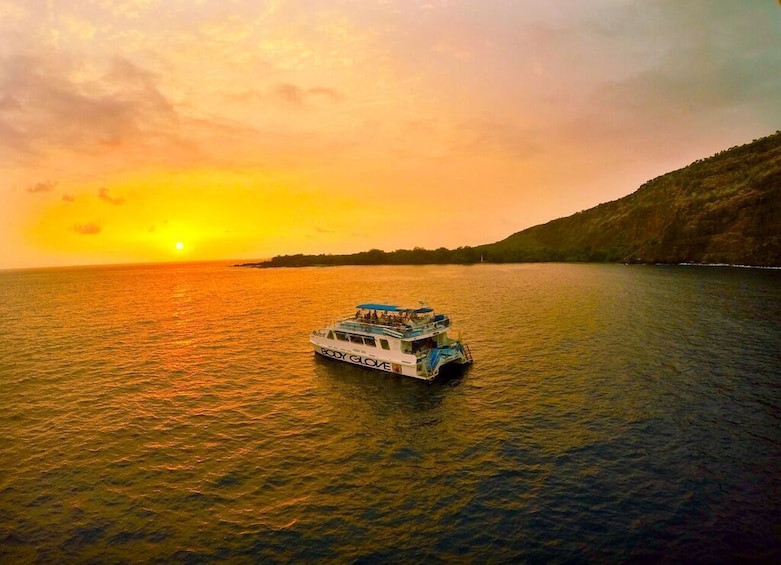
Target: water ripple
[(175, 413)]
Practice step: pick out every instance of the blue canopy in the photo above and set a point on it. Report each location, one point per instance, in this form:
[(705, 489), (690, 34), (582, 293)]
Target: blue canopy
[(391, 308), (383, 307)]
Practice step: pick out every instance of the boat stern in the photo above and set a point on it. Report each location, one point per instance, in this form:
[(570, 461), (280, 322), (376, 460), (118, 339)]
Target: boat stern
[(453, 353)]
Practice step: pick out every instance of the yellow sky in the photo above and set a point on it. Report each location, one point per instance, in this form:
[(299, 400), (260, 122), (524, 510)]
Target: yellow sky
[(245, 129)]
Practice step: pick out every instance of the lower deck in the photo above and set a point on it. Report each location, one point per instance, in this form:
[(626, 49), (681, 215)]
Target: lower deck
[(420, 358)]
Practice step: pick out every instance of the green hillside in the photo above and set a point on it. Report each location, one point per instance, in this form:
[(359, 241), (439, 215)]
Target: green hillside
[(723, 209)]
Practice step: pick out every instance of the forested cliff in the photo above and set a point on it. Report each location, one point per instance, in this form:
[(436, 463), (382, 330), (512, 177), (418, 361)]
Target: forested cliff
[(724, 209)]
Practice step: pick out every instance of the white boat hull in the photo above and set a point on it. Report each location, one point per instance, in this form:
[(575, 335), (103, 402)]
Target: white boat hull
[(398, 368)]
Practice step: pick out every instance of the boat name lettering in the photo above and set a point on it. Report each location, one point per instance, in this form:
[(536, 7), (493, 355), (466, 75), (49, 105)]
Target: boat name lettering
[(384, 365)]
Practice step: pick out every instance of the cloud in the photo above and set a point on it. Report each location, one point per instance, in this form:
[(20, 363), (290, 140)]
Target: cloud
[(10, 104), (57, 101), (516, 141), (44, 186), (716, 59), (105, 196), (87, 229), (328, 93), (68, 198), (297, 96), (290, 93)]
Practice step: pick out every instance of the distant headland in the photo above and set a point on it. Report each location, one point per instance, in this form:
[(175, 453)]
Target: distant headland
[(725, 209)]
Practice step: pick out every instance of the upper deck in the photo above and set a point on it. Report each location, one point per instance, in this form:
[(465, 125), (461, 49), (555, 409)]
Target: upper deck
[(401, 323)]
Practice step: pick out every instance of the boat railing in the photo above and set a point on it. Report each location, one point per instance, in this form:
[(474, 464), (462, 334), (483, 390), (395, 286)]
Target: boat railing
[(365, 327), (426, 328), (397, 330)]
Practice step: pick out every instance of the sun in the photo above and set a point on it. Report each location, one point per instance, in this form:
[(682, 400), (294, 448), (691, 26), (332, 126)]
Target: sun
[(179, 245)]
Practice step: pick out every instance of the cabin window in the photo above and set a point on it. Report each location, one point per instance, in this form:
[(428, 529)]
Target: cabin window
[(341, 336), (330, 335), (384, 344), (370, 341), (356, 339)]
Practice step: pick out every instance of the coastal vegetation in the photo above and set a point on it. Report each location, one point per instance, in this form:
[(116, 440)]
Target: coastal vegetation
[(722, 209)]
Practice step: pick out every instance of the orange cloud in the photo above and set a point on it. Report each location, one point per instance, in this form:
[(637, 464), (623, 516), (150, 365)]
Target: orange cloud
[(45, 186), (297, 96), (87, 229), (104, 195), (56, 102)]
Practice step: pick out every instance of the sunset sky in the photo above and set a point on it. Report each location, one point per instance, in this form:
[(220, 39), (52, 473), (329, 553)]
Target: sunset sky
[(165, 130)]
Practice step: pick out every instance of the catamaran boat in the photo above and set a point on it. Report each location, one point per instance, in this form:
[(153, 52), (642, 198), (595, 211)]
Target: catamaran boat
[(404, 341)]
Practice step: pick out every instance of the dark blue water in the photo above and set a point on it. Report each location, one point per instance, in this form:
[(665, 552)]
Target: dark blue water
[(176, 413)]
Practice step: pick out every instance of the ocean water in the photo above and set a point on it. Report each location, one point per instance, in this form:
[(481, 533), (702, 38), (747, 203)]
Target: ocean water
[(176, 413)]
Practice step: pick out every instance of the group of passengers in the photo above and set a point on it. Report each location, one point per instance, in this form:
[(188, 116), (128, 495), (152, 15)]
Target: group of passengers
[(388, 318)]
